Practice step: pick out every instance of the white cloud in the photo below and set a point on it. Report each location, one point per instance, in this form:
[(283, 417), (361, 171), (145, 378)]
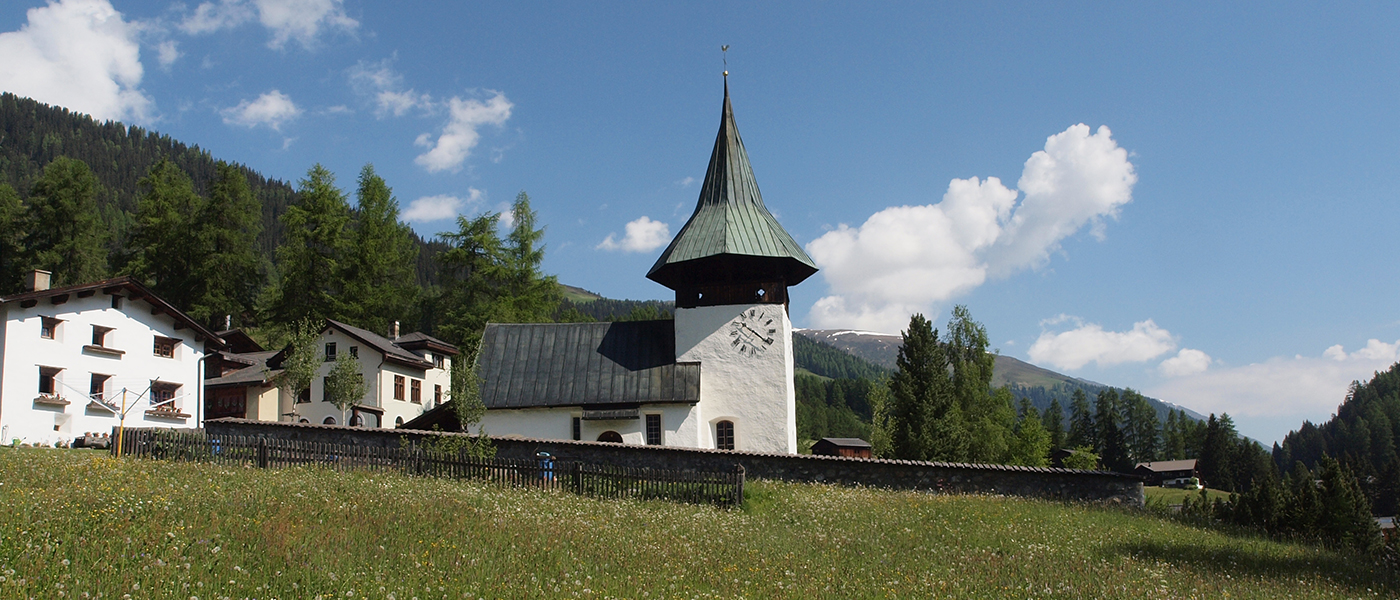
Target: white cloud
[(271, 109), (460, 134), (1186, 362), (302, 20), (643, 235), (436, 208), (905, 259), (379, 81), (1088, 343), (686, 182), (79, 54), (1281, 391), (167, 53)]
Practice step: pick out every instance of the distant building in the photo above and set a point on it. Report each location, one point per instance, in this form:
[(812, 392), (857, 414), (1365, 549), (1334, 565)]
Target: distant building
[(73, 358), (852, 447), (1167, 473), (719, 376), (404, 376)]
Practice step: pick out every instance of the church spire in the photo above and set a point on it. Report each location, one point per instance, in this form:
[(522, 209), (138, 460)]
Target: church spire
[(731, 238)]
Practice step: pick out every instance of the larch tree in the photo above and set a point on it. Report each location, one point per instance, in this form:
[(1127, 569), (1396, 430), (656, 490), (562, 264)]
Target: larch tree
[(1112, 445), (169, 251), (233, 272), (1143, 430), (1082, 431), (65, 235), (1054, 422), (529, 296), (379, 271), (311, 260), (12, 229)]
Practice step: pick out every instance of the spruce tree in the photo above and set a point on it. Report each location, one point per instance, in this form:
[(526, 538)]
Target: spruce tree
[(529, 296), (65, 234), (926, 422), (168, 249), (230, 225), (1081, 425), (1054, 423), (12, 229), (1112, 447), (1142, 428)]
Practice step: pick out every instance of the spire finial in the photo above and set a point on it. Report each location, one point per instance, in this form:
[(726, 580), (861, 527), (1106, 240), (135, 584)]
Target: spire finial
[(724, 53)]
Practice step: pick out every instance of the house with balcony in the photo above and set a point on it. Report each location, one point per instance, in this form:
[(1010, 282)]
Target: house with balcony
[(86, 358), (405, 375)]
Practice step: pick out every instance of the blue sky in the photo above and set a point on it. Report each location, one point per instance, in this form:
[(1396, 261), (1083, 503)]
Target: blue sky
[(1198, 201)]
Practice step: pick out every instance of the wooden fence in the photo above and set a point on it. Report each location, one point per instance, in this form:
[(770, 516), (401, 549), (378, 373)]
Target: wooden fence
[(599, 480)]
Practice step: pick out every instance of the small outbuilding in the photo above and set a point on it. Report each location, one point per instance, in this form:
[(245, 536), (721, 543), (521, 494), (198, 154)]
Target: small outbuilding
[(1167, 473), (852, 447)]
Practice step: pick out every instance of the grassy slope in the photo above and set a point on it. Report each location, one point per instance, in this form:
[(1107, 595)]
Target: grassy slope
[(577, 294), (1171, 496), (81, 522)]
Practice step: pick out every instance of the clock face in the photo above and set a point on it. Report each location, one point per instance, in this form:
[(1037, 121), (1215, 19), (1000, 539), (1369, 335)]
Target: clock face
[(753, 331)]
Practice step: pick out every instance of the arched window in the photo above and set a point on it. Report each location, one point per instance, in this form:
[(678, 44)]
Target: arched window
[(303, 420), (724, 435), (398, 422), (611, 437), (328, 421)]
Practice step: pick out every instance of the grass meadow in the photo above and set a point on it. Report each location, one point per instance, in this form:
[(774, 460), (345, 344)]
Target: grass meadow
[(80, 524)]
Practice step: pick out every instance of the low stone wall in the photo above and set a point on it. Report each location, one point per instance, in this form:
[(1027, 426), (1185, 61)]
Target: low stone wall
[(1059, 484)]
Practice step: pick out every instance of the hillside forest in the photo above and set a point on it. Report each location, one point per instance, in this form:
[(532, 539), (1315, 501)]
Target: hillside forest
[(87, 200)]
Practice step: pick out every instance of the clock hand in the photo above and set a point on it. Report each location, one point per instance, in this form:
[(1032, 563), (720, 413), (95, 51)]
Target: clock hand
[(766, 339)]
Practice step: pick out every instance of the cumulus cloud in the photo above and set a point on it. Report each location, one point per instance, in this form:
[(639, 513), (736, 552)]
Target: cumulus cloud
[(437, 208), (643, 235), (1186, 362), (1088, 343), (167, 53), (904, 259), (80, 54), (1281, 391), (379, 81), (271, 109), (460, 134), (286, 20)]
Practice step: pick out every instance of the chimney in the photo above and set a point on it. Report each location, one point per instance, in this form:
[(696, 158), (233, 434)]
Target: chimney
[(37, 281), (394, 331), (228, 322)]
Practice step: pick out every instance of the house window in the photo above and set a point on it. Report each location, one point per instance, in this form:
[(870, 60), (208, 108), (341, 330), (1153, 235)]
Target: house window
[(99, 335), (304, 396), (165, 346), (437, 394), (653, 430), (357, 420), (724, 435), (47, 327), (163, 396), (97, 390), (578, 428), (439, 361), (330, 351), (417, 392), (354, 352), (398, 422), (48, 381), (611, 437), (398, 387), (117, 302), (328, 421), (325, 389)]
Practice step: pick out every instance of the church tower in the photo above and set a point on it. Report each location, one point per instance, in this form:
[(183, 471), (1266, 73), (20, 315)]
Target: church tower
[(731, 266)]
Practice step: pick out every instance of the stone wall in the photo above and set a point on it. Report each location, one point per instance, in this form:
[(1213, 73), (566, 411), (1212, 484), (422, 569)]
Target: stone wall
[(1059, 484)]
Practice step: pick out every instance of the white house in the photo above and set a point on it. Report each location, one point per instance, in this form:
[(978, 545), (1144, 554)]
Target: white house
[(404, 376), (719, 376), (72, 359)]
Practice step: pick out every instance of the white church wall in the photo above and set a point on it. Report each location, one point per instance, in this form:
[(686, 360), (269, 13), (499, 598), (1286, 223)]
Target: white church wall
[(753, 389), (679, 423)]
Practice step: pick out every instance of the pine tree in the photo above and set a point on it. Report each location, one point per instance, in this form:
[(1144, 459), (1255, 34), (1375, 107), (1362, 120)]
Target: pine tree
[(379, 274), (1082, 431), (311, 261), (926, 422), (65, 234)]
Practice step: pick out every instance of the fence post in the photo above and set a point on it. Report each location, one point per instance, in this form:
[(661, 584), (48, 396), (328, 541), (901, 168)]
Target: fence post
[(417, 460), (577, 473), (738, 486), (262, 453)]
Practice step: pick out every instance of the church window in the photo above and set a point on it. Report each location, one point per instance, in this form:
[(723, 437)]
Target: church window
[(578, 428), (653, 430), (328, 421), (724, 435), (610, 437)]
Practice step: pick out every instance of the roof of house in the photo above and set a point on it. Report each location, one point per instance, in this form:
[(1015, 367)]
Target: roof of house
[(846, 442), (1163, 466), (392, 352), (583, 364), (254, 373), (239, 341), (134, 291), (730, 220), (419, 340)]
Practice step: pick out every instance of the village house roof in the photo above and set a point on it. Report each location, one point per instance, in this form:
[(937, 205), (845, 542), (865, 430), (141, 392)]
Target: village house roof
[(584, 364), (730, 226), (391, 350), (846, 442), (1164, 466), (254, 370), (133, 291), (419, 340)]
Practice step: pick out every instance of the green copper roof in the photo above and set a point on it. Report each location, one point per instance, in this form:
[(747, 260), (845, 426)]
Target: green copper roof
[(730, 221)]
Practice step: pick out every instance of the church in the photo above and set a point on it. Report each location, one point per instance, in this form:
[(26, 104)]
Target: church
[(719, 376)]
